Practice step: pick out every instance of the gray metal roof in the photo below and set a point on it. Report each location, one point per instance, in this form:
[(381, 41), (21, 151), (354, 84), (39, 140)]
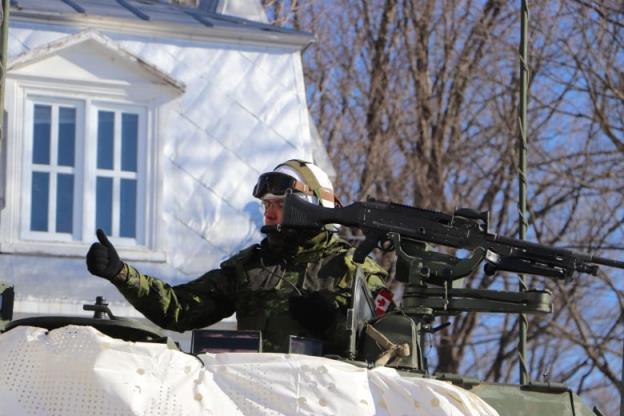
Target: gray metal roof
[(158, 16)]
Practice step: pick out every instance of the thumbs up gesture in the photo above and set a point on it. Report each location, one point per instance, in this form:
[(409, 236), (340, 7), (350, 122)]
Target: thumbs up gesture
[(102, 258)]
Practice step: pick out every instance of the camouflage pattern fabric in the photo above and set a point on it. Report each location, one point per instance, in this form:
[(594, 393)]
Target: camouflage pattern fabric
[(257, 284)]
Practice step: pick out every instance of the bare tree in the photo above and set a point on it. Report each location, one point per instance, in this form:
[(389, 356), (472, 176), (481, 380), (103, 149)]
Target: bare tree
[(417, 102)]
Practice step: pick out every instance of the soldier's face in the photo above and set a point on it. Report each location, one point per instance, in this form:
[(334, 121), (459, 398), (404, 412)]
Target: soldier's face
[(273, 210)]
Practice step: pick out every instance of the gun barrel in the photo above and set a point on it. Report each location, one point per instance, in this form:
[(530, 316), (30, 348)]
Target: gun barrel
[(607, 262), (585, 263)]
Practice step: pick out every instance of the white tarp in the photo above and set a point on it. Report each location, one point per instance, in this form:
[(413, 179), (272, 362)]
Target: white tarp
[(79, 371)]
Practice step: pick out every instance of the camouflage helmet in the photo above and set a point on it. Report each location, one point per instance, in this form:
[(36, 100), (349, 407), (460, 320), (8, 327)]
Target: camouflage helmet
[(304, 178)]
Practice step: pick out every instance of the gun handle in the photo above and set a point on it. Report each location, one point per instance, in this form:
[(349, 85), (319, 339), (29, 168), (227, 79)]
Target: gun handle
[(365, 247)]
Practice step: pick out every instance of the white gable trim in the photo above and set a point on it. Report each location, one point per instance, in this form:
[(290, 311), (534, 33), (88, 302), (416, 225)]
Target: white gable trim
[(55, 47)]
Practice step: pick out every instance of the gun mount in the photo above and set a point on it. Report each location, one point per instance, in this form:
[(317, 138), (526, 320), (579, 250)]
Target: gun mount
[(433, 278), (103, 320)]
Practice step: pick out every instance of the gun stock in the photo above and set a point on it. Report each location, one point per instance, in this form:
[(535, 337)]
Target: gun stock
[(298, 213)]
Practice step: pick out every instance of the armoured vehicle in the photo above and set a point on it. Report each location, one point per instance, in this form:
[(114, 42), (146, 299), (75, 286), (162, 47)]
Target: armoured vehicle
[(432, 279), (433, 289)]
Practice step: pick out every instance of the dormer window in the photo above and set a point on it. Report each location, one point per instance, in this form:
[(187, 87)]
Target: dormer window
[(86, 144), (60, 181)]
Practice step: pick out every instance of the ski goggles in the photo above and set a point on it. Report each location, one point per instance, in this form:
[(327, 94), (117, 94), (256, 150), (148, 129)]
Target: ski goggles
[(277, 183)]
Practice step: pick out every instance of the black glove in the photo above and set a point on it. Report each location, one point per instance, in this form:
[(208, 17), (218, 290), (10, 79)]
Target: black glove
[(102, 258), (316, 311)]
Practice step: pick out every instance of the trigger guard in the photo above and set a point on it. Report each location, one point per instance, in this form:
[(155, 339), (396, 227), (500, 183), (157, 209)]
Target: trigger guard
[(385, 245)]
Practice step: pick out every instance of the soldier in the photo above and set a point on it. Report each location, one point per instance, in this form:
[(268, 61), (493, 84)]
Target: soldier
[(292, 283)]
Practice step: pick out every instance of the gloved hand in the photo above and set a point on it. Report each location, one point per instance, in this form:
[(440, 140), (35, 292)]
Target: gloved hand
[(102, 258), (316, 311)]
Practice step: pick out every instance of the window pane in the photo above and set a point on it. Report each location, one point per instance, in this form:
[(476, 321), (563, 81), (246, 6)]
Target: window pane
[(41, 134), (67, 136), (104, 204), (64, 203), (39, 201), (106, 131), (129, 140), (127, 214)]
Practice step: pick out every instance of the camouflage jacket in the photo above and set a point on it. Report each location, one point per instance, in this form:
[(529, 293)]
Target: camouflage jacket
[(257, 283)]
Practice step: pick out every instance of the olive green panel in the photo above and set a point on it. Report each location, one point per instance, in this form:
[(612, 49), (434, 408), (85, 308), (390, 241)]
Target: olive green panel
[(6, 304), (536, 399), (512, 400)]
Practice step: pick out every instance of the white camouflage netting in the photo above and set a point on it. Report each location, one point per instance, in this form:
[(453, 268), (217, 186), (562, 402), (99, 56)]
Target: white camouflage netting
[(80, 371)]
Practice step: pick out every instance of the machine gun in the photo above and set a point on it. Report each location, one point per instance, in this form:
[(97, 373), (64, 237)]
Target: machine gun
[(431, 277), (386, 222)]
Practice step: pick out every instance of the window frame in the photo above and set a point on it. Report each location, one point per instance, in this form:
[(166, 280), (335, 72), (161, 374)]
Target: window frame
[(92, 170), (15, 236), (29, 167)]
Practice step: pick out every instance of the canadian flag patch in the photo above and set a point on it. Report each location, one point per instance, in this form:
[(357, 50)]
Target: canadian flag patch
[(383, 300)]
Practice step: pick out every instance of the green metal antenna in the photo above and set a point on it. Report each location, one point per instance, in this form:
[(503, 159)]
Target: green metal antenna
[(522, 178)]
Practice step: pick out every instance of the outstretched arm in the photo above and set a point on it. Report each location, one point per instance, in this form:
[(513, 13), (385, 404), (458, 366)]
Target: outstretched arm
[(196, 304)]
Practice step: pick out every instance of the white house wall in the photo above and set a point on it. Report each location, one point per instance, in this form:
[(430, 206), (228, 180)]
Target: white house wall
[(244, 111)]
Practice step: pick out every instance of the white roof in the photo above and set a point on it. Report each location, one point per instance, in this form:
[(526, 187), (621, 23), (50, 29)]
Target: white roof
[(159, 16)]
